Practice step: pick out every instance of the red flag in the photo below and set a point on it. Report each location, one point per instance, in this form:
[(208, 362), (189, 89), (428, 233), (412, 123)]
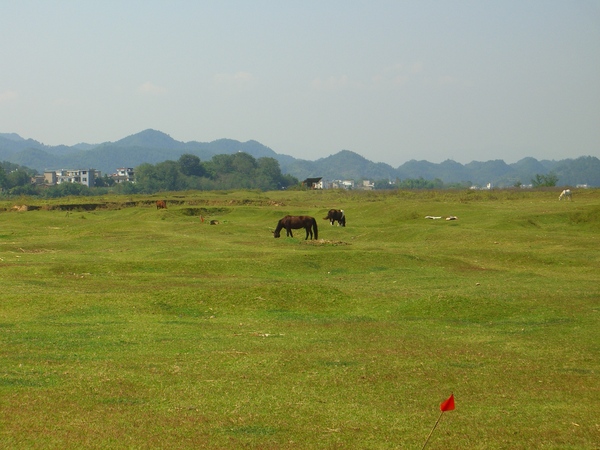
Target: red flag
[(448, 405)]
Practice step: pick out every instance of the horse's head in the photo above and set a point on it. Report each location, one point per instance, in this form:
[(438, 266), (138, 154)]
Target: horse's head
[(278, 228)]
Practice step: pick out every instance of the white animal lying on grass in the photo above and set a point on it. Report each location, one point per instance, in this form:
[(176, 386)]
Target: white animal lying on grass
[(439, 217)]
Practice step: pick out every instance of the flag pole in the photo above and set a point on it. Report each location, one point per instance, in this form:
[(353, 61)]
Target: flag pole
[(447, 405), (432, 430)]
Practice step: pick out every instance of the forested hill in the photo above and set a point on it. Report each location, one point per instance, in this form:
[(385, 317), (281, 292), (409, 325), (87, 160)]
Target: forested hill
[(151, 146)]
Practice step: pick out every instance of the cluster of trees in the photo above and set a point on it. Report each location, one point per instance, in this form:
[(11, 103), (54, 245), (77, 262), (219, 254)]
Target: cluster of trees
[(419, 183), (548, 180), (15, 179), (235, 171)]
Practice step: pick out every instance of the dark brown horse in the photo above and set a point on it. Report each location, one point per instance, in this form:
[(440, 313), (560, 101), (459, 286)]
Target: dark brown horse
[(296, 222), (336, 214)]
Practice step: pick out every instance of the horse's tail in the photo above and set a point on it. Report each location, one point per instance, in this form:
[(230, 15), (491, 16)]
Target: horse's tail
[(315, 228)]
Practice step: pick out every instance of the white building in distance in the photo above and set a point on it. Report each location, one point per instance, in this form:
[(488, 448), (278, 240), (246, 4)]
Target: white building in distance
[(123, 175), (87, 177)]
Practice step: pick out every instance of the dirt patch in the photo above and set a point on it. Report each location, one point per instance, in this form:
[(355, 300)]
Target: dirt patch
[(22, 208), (323, 242), (196, 206)]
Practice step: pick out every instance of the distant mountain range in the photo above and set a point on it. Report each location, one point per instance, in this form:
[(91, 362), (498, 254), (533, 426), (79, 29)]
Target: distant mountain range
[(151, 146)]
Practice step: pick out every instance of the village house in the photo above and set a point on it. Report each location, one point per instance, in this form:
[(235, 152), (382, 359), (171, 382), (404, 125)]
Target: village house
[(342, 184), (313, 183), (320, 183), (38, 180), (86, 177), (123, 175), (368, 185)]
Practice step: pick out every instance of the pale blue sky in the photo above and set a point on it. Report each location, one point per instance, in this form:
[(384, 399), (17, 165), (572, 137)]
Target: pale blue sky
[(390, 80)]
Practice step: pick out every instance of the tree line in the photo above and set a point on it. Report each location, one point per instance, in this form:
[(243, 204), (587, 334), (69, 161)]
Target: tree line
[(222, 172), (539, 181)]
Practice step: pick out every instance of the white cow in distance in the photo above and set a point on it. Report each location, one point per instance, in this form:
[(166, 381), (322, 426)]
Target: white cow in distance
[(565, 194)]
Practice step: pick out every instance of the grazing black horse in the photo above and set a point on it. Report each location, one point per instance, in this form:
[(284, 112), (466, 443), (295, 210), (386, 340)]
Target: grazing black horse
[(336, 214), (297, 222)]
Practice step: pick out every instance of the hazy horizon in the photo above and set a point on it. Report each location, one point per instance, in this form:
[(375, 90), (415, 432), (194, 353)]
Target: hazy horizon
[(392, 81)]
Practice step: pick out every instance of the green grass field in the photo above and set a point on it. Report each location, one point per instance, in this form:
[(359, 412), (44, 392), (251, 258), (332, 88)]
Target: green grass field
[(124, 326)]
